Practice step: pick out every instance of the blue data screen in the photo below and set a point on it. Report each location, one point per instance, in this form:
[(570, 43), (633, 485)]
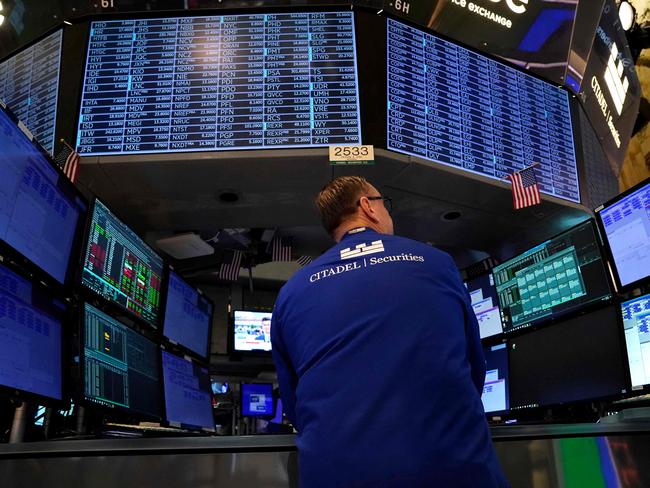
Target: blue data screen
[(636, 322), (453, 106), (257, 399), (627, 230), (187, 392), (38, 215), (188, 316), (495, 395), (30, 337), (220, 83), (29, 85)]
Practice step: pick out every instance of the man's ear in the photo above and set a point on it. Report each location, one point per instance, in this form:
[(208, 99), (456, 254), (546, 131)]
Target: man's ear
[(367, 210)]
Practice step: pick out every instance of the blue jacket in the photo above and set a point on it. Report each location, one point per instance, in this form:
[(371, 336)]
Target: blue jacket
[(381, 368)]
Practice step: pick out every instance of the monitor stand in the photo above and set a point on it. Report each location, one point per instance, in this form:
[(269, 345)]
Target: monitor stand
[(19, 423)]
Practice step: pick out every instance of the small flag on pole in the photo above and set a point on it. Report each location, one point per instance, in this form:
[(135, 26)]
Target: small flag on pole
[(280, 249), (68, 160), (525, 191), (229, 271), (304, 260)]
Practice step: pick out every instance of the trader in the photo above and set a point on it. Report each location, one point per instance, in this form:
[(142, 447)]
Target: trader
[(379, 359)]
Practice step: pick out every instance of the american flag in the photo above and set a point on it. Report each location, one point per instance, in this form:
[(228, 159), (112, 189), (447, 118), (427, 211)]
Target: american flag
[(304, 260), (229, 271), (525, 191), (68, 160), (280, 249)]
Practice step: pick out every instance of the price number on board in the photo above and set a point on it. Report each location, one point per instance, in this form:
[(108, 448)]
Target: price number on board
[(352, 154)]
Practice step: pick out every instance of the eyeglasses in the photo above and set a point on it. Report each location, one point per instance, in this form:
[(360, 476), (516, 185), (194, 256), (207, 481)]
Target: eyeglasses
[(388, 202)]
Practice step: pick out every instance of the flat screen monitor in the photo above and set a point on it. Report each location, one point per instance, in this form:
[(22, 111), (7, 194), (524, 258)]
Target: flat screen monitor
[(578, 359), (220, 387), (560, 275), (625, 223), (636, 323), (121, 267), (41, 213), (483, 295), (459, 108), (188, 402), (120, 366), (30, 338), (220, 83), (188, 316), (29, 85), (495, 390), (257, 399), (252, 331)]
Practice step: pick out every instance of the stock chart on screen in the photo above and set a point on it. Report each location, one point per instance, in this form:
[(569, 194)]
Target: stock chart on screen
[(119, 266)]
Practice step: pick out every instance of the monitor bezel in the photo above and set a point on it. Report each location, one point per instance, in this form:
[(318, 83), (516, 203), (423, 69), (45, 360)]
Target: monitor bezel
[(165, 421), (30, 267), (255, 353), (89, 292), (241, 400), (164, 295), (67, 321), (117, 410), (605, 240), (556, 317)]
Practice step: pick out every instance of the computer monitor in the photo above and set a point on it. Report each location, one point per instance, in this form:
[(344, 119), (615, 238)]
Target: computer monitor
[(121, 267), (120, 366), (625, 226), (42, 214), (30, 339), (188, 402), (556, 277), (636, 323), (580, 358), (257, 399), (495, 395), (188, 316), (252, 331), (483, 295)]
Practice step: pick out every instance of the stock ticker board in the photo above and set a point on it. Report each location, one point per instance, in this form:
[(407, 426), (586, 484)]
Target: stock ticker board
[(220, 83), (29, 85), (453, 106)]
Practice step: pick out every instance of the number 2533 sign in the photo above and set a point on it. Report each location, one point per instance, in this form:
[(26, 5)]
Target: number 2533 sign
[(352, 155)]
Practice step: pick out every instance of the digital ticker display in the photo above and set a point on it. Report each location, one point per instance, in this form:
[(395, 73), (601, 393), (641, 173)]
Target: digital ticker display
[(553, 278), (29, 85), (453, 106), (121, 267), (220, 83)]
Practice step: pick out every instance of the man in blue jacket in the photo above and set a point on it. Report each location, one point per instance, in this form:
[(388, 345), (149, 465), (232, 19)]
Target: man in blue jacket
[(379, 358)]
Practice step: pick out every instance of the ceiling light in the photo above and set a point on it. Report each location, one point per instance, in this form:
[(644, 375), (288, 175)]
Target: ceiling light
[(627, 15), (0, 5), (2, 19)]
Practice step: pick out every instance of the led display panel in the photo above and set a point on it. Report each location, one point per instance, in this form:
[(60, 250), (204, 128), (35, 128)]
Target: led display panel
[(256, 399), (220, 83), (459, 108), (580, 358), (562, 274), (483, 295), (188, 402), (626, 225), (121, 366), (121, 267), (30, 338), (495, 395), (636, 322), (188, 316), (252, 331), (41, 212), (29, 85)]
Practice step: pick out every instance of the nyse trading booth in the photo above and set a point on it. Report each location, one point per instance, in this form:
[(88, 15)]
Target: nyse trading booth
[(204, 130)]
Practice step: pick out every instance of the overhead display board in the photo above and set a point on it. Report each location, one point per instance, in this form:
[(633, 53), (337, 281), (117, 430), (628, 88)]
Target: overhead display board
[(529, 33), (220, 83), (29, 85), (456, 107)]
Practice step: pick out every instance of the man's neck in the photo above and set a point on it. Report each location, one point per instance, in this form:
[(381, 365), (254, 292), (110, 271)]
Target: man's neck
[(354, 224)]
